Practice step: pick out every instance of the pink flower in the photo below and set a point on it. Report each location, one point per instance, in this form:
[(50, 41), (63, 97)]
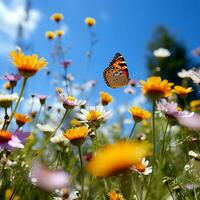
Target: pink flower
[(12, 77), (10, 140), (196, 52), (132, 83), (47, 179), (190, 120), (66, 63)]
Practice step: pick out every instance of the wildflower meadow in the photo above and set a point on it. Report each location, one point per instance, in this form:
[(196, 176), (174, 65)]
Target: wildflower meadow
[(71, 130)]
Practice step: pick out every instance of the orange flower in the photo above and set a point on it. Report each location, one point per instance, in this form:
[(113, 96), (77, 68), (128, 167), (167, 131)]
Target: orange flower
[(7, 86), (195, 105), (106, 98), (139, 114), (22, 119), (27, 65), (90, 21), (155, 88), (5, 136), (115, 158), (77, 135), (182, 91), (115, 196), (57, 17)]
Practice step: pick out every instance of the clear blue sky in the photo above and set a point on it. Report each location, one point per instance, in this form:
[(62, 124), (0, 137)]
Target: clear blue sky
[(123, 26)]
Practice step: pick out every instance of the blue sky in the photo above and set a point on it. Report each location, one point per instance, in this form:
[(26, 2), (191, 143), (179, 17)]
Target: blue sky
[(122, 26)]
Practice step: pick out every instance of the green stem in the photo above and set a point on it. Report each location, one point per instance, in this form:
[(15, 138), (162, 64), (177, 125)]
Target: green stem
[(164, 138), (154, 149), (53, 133), (132, 129), (17, 104), (82, 172), (5, 119)]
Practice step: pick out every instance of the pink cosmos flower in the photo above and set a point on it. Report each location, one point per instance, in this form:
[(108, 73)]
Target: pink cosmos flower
[(10, 140), (47, 179), (12, 77)]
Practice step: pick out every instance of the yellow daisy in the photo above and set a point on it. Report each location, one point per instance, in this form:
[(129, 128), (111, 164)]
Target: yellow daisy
[(57, 17), (27, 65), (182, 91), (139, 114), (106, 98), (77, 135), (60, 33), (90, 21), (156, 88), (50, 35), (115, 158)]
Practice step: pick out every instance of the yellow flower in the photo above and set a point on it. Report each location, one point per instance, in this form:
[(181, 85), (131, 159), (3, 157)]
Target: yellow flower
[(27, 65), (115, 196), (77, 135), (8, 194), (182, 91), (75, 122), (50, 35), (106, 98), (155, 88), (139, 114), (60, 33), (59, 90), (115, 158), (7, 86), (90, 21), (22, 119), (195, 105), (57, 17)]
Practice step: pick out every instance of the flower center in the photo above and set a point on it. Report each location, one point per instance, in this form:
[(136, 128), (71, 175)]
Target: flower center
[(5, 136), (93, 115), (70, 98), (140, 167)]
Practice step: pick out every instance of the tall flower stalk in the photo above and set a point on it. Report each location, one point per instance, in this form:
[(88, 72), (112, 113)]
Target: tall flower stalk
[(17, 104)]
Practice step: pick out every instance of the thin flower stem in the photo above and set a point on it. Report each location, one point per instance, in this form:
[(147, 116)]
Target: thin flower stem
[(5, 119), (82, 172), (170, 192), (154, 149), (53, 133), (163, 144), (17, 104), (132, 129)]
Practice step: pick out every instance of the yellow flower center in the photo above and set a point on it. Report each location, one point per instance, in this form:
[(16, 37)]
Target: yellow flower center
[(70, 98), (93, 115), (5, 136)]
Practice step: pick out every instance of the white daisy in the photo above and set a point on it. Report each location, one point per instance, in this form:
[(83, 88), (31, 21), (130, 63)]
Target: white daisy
[(46, 128), (7, 99), (161, 53), (142, 167), (94, 116)]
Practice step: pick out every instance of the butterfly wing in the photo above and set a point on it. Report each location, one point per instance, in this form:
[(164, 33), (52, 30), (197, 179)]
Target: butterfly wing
[(116, 74)]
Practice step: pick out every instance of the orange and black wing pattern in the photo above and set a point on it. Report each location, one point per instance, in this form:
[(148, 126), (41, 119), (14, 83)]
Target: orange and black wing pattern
[(116, 74)]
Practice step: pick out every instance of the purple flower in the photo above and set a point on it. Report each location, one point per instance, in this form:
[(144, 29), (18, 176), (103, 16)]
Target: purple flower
[(42, 98), (168, 108), (66, 63), (190, 120), (12, 77), (47, 179), (132, 83), (10, 140), (70, 102)]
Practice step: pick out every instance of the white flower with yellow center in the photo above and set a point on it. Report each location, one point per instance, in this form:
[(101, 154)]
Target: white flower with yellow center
[(142, 167), (94, 116), (7, 99), (46, 128)]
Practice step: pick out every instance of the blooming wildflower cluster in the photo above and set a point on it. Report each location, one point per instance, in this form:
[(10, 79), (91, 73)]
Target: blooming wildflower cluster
[(79, 141)]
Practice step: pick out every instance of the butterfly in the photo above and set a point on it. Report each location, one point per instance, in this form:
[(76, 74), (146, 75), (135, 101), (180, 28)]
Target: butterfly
[(116, 74)]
